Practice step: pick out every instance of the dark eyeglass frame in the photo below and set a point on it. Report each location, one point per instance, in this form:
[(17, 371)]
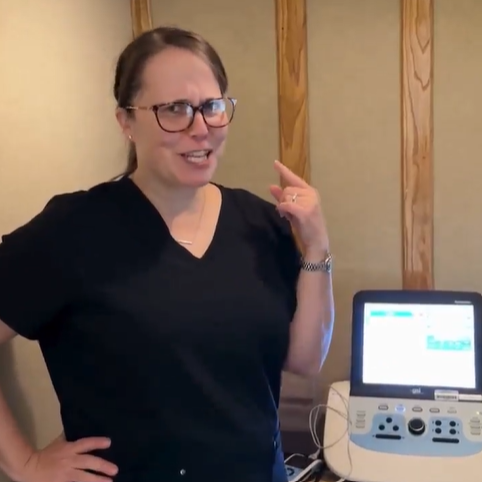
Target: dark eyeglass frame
[(194, 110)]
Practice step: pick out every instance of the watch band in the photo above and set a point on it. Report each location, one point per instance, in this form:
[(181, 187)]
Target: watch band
[(325, 265)]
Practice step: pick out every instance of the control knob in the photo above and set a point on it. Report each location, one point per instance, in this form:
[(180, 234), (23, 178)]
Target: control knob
[(416, 426)]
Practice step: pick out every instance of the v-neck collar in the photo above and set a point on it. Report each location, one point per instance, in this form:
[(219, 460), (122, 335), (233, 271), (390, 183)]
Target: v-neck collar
[(147, 215)]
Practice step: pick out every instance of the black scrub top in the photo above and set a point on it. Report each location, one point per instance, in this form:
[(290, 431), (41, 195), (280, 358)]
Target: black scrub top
[(177, 359)]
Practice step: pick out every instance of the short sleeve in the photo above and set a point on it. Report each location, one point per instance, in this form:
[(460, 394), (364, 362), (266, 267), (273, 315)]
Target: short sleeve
[(33, 286), (263, 215)]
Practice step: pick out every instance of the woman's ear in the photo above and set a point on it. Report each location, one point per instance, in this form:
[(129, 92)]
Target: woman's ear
[(125, 122)]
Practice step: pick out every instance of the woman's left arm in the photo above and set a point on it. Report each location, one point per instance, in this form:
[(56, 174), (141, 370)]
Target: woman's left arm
[(312, 325)]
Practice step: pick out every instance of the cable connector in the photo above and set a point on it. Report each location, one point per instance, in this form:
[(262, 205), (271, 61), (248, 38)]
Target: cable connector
[(316, 455)]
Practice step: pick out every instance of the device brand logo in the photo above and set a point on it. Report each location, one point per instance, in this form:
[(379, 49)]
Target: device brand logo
[(416, 391)]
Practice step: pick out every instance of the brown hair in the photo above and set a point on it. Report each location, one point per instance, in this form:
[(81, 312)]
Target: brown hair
[(132, 61)]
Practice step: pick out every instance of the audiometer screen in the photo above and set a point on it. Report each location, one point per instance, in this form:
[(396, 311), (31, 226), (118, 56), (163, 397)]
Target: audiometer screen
[(425, 345)]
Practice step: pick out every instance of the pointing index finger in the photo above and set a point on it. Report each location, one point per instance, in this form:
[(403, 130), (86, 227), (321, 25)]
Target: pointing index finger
[(289, 176)]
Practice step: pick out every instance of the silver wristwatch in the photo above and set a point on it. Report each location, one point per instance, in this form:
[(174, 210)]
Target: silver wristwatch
[(326, 265)]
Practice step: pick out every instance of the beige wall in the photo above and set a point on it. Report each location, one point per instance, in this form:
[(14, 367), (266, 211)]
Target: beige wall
[(458, 144), (58, 133), (54, 140)]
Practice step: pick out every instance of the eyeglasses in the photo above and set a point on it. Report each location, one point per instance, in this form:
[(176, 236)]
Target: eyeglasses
[(179, 116)]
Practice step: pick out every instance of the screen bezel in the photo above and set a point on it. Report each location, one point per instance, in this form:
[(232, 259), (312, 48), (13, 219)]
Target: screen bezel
[(360, 389)]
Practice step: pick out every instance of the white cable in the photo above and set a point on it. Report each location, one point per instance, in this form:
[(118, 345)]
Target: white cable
[(306, 477), (313, 423), (294, 455)]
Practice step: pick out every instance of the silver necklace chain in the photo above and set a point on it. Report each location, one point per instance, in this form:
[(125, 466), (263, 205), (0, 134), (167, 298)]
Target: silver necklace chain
[(187, 242)]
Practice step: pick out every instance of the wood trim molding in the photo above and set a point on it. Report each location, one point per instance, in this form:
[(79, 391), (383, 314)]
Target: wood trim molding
[(417, 143), (291, 42), (141, 16)]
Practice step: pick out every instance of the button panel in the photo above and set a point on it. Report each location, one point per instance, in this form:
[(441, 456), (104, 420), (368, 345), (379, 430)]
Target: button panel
[(417, 427)]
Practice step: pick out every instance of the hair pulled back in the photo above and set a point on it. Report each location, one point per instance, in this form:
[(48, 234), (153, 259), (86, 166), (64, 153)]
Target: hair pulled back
[(133, 59)]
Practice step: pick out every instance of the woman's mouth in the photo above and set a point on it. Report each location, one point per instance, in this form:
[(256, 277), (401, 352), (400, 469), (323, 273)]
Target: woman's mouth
[(197, 157)]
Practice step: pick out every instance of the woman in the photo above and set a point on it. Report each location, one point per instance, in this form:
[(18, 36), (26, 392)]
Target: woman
[(166, 306)]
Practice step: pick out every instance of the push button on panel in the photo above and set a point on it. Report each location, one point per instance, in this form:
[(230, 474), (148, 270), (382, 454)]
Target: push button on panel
[(383, 407), (475, 426), (417, 409), (360, 419)]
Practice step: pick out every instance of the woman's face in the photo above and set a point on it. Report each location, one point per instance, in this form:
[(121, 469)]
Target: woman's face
[(181, 159)]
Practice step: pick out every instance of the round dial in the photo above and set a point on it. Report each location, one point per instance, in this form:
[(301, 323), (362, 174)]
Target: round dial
[(416, 426)]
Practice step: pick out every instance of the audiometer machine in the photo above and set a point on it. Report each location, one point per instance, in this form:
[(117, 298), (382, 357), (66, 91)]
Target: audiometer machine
[(412, 409)]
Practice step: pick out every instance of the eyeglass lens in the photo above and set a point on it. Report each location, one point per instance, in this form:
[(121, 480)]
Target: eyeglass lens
[(178, 116)]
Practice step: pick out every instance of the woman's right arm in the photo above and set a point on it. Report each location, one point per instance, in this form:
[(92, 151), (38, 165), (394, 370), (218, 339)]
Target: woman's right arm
[(35, 285), (14, 448), (61, 461)]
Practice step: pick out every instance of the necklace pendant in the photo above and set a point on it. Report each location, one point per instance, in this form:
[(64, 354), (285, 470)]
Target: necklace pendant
[(184, 241), (187, 242)]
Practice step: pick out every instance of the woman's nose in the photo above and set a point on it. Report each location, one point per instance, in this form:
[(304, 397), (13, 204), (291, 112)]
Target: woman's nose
[(199, 126)]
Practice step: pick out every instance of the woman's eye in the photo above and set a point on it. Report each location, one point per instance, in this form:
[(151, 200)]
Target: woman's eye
[(214, 107), (176, 109)]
